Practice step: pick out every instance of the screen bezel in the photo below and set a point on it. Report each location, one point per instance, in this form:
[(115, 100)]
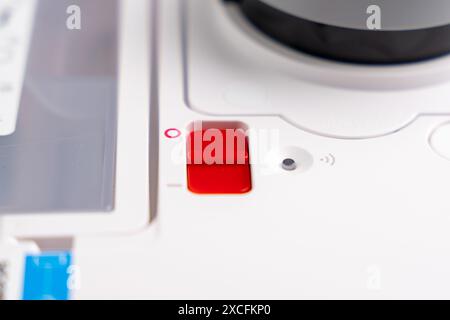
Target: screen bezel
[(132, 201)]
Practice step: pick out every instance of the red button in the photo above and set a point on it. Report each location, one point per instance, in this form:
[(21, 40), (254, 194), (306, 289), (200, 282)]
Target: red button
[(218, 161)]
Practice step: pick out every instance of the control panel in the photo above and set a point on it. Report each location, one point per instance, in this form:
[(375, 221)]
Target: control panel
[(204, 160)]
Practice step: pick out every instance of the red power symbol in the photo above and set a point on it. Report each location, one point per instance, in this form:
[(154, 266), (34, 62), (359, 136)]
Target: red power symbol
[(172, 133)]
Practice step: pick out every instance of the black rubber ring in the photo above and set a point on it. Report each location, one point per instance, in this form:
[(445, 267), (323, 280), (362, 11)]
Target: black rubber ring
[(344, 44)]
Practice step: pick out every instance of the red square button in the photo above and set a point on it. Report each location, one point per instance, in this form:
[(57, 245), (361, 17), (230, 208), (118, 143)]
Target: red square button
[(218, 161)]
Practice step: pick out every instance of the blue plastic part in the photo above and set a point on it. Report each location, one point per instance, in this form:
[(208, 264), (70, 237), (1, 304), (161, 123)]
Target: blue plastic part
[(46, 276)]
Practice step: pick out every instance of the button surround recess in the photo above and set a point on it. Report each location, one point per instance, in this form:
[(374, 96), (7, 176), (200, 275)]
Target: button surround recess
[(440, 140)]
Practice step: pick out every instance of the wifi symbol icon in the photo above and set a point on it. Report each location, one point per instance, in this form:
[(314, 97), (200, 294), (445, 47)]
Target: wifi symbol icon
[(329, 159)]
